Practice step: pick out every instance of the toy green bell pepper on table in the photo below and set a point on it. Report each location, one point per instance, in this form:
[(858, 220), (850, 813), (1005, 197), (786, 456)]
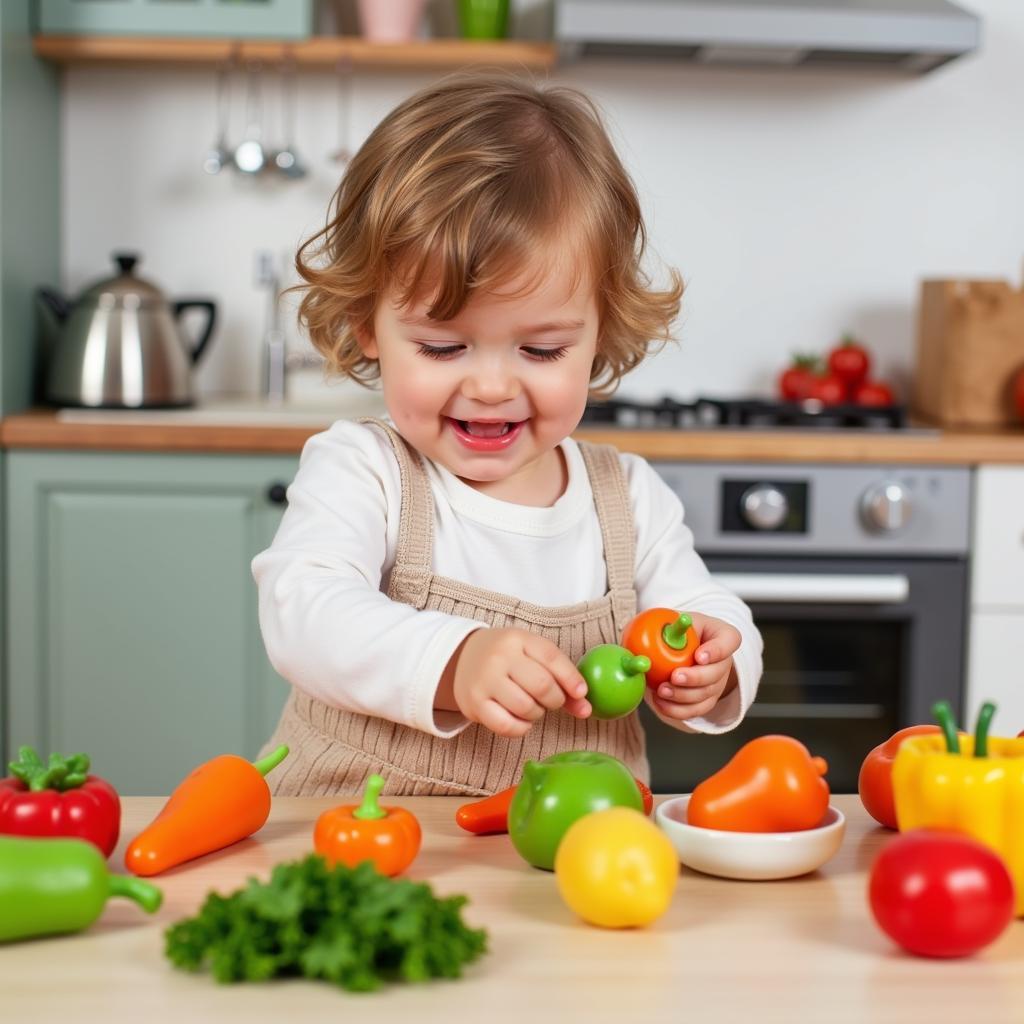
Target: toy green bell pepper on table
[(556, 792), (50, 886)]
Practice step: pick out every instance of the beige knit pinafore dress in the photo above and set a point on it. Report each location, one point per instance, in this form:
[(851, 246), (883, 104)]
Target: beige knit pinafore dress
[(334, 751)]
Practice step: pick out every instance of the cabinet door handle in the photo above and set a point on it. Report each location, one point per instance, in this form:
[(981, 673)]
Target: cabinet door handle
[(277, 493)]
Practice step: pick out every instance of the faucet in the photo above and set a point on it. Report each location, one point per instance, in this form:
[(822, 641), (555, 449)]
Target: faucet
[(276, 359), (274, 350)]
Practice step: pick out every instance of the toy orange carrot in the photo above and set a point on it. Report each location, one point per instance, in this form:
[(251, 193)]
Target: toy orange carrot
[(351, 833), (489, 816), (219, 803)]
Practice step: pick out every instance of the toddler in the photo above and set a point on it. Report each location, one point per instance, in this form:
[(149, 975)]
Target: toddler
[(435, 578)]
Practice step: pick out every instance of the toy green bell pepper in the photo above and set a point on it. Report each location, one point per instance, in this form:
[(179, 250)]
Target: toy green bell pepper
[(615, 679), (50, 886), (556, 792)]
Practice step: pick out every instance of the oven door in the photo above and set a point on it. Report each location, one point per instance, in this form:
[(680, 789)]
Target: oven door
[(854, 650)]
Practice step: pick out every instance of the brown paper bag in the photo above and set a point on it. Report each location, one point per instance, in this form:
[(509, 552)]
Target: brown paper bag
[(970, 344)]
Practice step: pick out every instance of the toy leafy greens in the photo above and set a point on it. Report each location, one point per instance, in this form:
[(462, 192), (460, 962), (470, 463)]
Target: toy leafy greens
[(350, 926)]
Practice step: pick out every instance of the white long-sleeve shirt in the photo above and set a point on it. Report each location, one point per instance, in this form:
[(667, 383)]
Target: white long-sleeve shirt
[(330, 629)]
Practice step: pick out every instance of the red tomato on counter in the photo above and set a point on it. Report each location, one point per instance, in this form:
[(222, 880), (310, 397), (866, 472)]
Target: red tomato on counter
[(795, 382), (873, 392), (829, 390), (940, 894), (849, 361)]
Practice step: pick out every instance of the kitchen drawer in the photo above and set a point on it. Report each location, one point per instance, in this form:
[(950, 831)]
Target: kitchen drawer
[(277, 19), (997, 579), (995, 657)]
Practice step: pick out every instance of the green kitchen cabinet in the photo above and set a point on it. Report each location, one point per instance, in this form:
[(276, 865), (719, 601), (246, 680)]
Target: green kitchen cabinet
[(277, 19), (131, 611), (30, 155)]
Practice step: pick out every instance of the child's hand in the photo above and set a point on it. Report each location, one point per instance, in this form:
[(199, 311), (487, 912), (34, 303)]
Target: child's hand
[(506, 679), (694, 691)]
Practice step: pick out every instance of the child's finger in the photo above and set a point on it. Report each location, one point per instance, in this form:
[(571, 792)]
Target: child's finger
[(496, 718), (720, 641), (697, 675), (579, 707), (558, 664), (687, 694), (539, 683), (716, 649), (517, 701), (682, 712)]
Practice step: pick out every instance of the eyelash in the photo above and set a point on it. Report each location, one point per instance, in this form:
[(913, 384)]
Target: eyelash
[(543, 355)]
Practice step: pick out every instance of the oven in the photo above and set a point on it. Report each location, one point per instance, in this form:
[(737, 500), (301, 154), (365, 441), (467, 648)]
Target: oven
[(857, 579)]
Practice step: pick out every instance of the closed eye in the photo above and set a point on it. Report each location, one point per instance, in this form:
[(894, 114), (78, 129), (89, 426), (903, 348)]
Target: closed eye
[(439, 351), (545, 354)]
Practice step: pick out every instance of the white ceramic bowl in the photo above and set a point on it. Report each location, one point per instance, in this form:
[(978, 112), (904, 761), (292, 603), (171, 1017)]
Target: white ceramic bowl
[(753, 856)]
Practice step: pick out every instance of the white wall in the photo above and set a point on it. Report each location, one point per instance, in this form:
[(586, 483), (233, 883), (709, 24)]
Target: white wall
[(796, 204)]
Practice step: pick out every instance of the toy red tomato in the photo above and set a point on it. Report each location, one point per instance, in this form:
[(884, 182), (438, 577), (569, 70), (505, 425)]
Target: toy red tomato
[(796, 381), (829, 390), (874, 783), (873, 392), (849, 361), (940, 894)]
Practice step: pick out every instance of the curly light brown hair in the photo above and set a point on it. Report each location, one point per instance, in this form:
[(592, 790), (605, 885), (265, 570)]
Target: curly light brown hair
[(457, 190)]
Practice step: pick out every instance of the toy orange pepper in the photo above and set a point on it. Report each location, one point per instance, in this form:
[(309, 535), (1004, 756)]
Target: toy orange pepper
[(973, 785), (388, 836), (772, 784), (664, 636)]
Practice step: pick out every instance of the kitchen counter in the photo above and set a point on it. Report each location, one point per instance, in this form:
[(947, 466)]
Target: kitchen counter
[(274, 433), (798, 950)]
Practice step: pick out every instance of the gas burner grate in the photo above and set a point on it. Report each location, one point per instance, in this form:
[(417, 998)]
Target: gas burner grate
[(753, 413)]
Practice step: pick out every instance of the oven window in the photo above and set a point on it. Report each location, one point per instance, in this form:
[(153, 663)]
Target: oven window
[(831, 681)]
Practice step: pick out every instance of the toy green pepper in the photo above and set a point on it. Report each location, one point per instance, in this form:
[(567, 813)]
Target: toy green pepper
[(556, 792), (615, 679), (50, 886)]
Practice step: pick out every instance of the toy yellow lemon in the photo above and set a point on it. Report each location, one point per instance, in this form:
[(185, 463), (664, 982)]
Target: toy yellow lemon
[(616, 869)]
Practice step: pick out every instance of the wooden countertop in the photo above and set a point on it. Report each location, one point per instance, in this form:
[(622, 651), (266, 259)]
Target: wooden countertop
[(798, 950), (43, 429)]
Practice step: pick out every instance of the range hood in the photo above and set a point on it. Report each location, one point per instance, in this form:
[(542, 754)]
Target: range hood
[(908, 35)]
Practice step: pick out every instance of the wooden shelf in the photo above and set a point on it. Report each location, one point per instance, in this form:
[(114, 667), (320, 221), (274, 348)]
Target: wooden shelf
[(318, 52)]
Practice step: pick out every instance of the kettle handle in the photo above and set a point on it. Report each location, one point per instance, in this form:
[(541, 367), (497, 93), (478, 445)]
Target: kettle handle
[(181, 305), (54, 302)]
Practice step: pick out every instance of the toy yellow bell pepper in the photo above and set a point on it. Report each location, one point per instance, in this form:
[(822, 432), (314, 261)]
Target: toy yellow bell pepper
[(973, 785)]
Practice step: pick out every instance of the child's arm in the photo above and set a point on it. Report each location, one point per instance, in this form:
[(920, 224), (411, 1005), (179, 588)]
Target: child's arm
[(326, 624), (714, 695)]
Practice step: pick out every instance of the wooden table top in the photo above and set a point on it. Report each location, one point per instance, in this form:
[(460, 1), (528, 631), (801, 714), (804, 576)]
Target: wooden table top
[(803, 949)]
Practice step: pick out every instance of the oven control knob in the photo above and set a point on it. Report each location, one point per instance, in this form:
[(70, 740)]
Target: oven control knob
[(764, 507), (886, 507)]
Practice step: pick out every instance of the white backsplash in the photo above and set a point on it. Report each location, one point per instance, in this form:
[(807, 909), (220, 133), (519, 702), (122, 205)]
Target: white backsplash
[(797, 205)]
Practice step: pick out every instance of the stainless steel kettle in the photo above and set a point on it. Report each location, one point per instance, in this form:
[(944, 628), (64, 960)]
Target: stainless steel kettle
[(120, 344)]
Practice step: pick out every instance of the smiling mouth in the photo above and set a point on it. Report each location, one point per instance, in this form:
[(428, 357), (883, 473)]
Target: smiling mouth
[(478, 428)]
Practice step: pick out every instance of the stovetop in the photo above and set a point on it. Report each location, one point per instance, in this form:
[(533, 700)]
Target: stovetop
[(730, 413)]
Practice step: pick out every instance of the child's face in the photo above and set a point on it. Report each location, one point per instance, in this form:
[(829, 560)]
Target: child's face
[(491, 393)]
